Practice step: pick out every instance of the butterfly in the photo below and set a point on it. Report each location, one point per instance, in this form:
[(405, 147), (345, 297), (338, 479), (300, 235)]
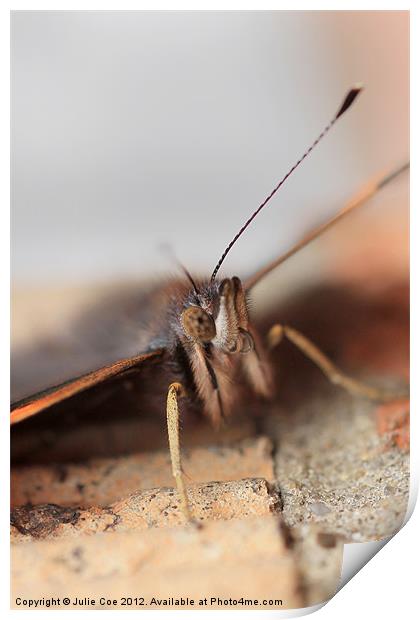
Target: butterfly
[(200, 343)]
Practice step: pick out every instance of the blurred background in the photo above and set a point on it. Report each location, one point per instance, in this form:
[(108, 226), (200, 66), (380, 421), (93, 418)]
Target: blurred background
[(131, 130)]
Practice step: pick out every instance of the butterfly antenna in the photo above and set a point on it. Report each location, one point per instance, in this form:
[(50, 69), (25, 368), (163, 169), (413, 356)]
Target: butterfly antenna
[(169, 252), (348, 100), (189, 276)]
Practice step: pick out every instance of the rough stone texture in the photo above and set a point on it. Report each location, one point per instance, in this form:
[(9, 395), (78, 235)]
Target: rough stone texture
[(319, 555), (234, 559), (334, 470), (146, 509), (99, 482)]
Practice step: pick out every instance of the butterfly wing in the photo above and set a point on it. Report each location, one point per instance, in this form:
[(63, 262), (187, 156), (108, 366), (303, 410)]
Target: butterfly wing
[(32, 405)]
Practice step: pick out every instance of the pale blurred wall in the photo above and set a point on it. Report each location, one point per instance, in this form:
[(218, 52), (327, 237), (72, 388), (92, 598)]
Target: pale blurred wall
[(133, 129)]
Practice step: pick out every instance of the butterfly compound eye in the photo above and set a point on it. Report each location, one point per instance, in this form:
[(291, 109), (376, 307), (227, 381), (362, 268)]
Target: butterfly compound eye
[(198, 324)]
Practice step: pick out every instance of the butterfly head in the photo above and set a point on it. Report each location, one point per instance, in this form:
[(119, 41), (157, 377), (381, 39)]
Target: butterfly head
[(219, 316)]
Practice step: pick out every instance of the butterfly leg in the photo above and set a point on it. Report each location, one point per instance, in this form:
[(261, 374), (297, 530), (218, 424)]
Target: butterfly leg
[(172, 418), (330, 370)]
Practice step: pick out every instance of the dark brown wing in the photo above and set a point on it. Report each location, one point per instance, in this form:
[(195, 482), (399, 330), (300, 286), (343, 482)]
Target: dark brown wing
[(39, 402)]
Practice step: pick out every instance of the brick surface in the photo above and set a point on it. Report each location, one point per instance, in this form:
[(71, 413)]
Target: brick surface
[(99, 482), (238, 558), (393, 421), (145, 509)]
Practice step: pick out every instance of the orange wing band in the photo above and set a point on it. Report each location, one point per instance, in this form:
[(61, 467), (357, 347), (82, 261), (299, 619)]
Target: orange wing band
[(38, 403)]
